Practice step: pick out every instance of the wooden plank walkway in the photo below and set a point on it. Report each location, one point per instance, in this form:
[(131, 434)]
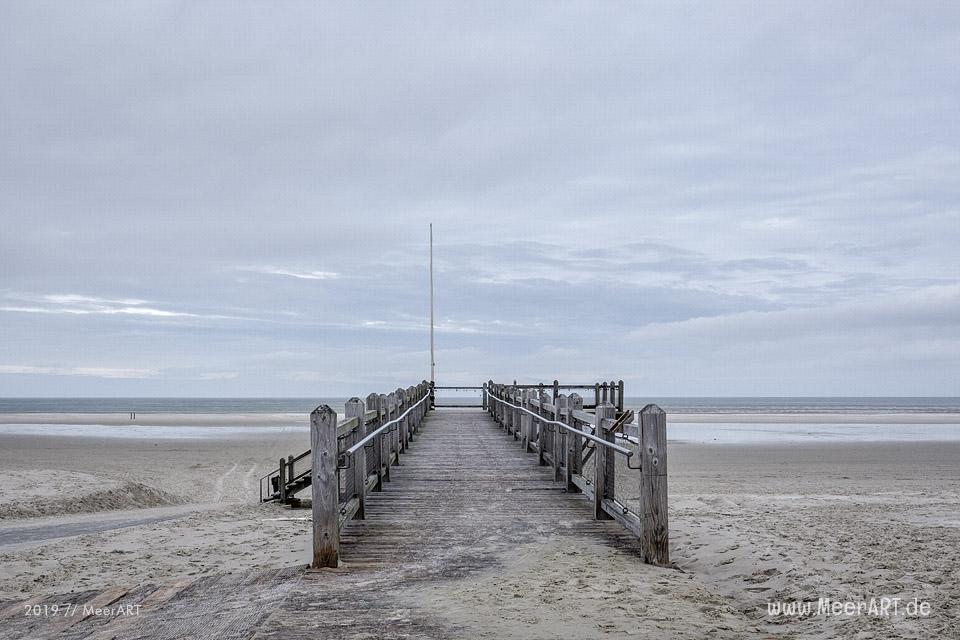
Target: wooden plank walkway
[(470, 539), (464, 496)]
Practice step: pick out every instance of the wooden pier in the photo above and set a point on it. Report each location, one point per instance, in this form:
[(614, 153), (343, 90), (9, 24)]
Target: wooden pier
[(412, 505), (351, 460)]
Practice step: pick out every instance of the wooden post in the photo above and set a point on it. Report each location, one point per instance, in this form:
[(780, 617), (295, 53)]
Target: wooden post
[(373, 404), (416, 392), (541, 432), (575, 448), (412, 418), (620, 396), (354, 409), (282, 482), (325, 487), (483, 397), (559, 438), (502, 408), (508, 415), (603, 483), (556, 390), (526, 422), (386, 439), (517, 414), (402, 425), (426, 405), (653, 486), (492, 405), (596, 394), (393, 431)]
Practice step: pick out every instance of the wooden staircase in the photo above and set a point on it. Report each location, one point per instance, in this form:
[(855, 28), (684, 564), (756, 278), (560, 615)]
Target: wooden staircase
[(286, 481)]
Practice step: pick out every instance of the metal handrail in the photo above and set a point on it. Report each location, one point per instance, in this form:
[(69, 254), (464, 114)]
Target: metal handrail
[(352, 450), (627, 452)]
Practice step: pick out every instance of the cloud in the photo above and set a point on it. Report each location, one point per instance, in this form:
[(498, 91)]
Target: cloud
[(928, 311), (93, 372), (219, 375), (78, 305), (302, 275), (762, 196)]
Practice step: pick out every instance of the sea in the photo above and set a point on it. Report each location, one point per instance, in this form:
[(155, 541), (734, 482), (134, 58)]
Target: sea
[(850, 405), (865, 419)]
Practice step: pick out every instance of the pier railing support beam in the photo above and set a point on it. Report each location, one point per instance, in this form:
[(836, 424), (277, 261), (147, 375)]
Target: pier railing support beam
[(574, 442), (653, 485), (603, 483), (560, 439), (541, 427), (325, 488), (354, 409), (373, 403)]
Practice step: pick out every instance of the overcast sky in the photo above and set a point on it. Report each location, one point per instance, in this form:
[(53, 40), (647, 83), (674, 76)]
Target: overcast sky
[(703, 199)]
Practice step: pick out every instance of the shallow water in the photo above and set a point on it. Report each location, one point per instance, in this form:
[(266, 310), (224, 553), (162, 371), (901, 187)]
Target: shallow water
[(763, 433)]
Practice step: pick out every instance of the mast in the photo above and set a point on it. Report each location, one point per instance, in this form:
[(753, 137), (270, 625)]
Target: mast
[(433, 363)]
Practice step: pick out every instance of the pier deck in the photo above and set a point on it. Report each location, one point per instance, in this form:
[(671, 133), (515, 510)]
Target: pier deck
[(465, 501)]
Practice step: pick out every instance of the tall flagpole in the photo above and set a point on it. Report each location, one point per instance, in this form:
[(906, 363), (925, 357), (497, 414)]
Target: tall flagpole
[(433, 363)]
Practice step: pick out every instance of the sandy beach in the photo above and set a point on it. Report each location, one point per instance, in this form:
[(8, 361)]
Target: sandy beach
[(818, 418), (750, 524), (159, 419)]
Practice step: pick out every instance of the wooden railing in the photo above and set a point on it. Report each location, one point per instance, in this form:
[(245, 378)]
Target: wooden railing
[(583, 449), (353, 458)]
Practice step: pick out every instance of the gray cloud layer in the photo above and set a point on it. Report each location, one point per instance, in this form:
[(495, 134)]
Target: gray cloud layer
[(232, 198)]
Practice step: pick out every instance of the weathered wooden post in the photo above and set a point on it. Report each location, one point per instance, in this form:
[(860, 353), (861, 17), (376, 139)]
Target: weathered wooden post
[(507, 414), (386, 438), (575, 450), (596, 395), (402, 425), (501, 408), (653, 486), (354, 409), (325, 487), (393, 431), (541, 431), (517, 413), (418, 412), (559, 437), (620, 396), (373, 404), (483, 396), (603, 483), (556, 390), (490, 402), (282, 482), (412, 418), (525, 420), (424, 407)]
